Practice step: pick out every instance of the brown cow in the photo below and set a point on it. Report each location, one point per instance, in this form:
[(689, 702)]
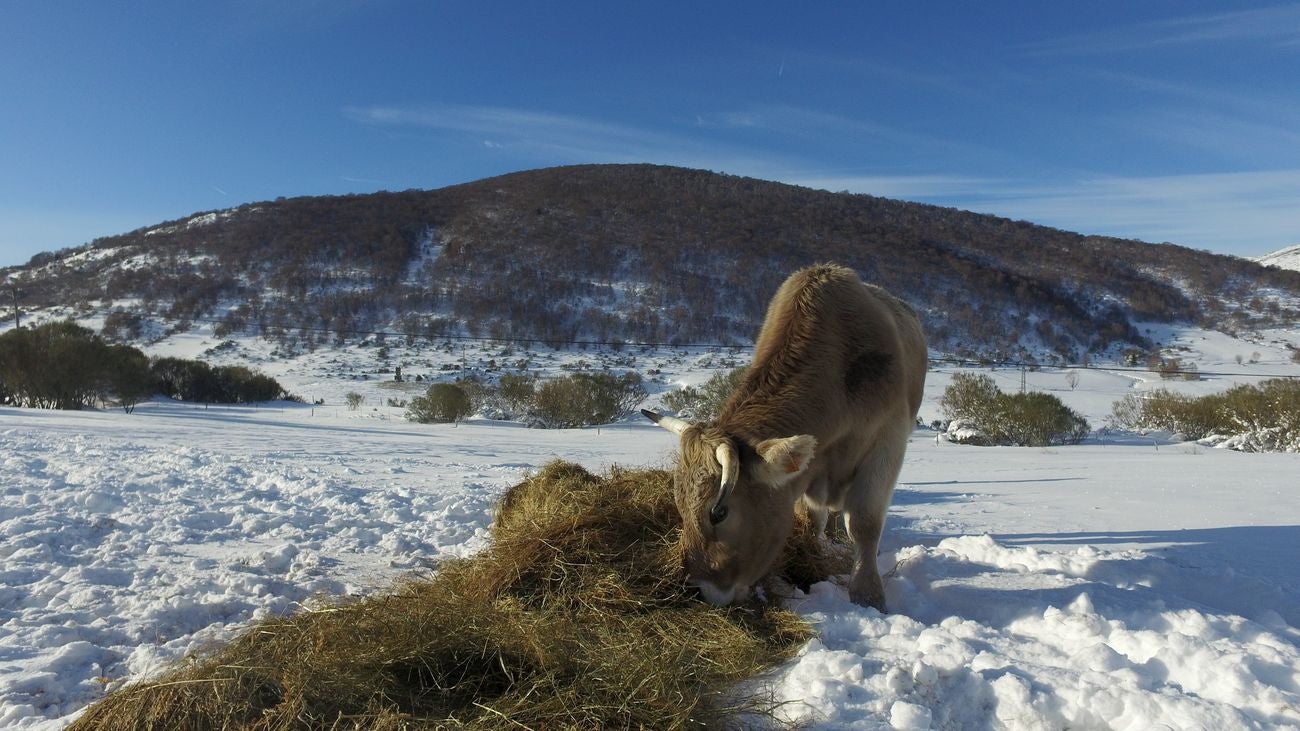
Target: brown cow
[(823, 414)]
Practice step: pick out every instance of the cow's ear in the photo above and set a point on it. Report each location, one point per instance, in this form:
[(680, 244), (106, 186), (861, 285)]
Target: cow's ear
[(785, 459)]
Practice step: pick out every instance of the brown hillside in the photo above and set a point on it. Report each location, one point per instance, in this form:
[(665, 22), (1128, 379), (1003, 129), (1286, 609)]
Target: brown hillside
[(646, 253)]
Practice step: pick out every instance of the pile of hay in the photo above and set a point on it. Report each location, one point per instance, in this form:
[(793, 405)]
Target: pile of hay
[(577, 615)]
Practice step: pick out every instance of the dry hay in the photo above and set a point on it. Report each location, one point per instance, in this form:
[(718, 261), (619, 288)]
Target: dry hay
[(576, 616)]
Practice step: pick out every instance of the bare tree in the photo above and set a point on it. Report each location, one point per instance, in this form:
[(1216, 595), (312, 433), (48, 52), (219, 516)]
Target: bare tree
[(1072, 378)]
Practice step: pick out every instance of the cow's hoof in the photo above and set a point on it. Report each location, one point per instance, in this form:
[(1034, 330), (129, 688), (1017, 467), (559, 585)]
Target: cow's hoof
[(875, 600)]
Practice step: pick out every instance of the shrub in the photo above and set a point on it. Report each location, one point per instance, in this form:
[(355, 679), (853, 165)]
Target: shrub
[(516, 393), (510, 398), (1036, 419), (704, 402), (198, 382), (122, 325), (354, 400), (585, 399), (1264, 417), (128, 378), (241, 385), (62, 365), (970, 396), (985, 415), (443, 403), (478, 392)]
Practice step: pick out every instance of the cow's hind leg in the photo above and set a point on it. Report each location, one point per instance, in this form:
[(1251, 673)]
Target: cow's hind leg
[(864, 518)]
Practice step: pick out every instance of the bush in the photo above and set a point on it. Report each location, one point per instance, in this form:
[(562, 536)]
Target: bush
[(1264, 417), (510, 398), (585, 399), (516, 393), (704, 402), (985, 415), (62, 365), (354, 400), (198, 382), (1036, 419), (65, 366), (57, 365), (443, 403), (128, 377), (241, 385), (1162, 410), (970, 396)]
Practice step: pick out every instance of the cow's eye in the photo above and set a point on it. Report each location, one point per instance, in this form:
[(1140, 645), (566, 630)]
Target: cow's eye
[(717, 514)]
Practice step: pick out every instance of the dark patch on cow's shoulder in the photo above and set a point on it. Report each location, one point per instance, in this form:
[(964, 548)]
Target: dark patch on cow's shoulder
[(869, 368)]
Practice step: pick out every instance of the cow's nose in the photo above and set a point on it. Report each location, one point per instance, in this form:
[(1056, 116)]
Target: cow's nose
[(713, 595)]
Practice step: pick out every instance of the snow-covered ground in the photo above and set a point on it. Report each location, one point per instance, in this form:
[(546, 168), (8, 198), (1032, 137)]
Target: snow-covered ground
[(1128, 582)]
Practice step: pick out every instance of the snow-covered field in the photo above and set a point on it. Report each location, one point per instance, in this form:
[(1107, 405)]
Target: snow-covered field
[(1129, 582)]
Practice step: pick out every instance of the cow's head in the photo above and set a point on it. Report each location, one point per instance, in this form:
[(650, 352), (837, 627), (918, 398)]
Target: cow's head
[(737, 503)]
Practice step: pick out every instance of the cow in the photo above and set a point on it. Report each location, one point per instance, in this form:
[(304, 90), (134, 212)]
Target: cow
[(822, 415)]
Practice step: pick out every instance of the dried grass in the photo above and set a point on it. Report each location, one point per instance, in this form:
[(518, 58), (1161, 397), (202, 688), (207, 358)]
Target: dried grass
[(576, 616)]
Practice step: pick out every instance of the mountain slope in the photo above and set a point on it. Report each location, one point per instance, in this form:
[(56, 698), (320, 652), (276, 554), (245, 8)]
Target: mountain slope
[(644, 253), (1288, 258)]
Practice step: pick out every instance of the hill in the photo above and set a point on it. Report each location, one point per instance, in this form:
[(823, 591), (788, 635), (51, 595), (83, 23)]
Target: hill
[(639, 253), (1287, 258)]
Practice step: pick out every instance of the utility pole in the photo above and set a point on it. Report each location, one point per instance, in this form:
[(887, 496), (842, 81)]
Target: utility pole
[(17, 313)]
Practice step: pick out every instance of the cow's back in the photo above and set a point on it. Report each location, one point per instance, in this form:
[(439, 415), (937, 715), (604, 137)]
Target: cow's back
[(834, 356)]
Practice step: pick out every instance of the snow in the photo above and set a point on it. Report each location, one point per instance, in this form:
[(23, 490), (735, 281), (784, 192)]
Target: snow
[(1286, 258), (1128, 582)]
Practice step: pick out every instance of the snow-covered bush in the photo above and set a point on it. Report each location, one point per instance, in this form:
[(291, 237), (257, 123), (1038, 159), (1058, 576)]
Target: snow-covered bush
[(964, 431)]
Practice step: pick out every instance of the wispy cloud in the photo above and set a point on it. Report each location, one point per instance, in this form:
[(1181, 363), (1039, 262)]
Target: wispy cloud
[(363, 181), (1241, 212), (1277, 26), (554, 138), (763, 141), (1244, 213), (1250, 128)]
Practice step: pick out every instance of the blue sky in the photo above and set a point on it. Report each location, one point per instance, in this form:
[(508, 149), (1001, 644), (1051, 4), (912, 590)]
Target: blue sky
[(1164, 121)]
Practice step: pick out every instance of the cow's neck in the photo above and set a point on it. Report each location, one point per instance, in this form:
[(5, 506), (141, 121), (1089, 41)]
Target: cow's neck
[(771, 404)]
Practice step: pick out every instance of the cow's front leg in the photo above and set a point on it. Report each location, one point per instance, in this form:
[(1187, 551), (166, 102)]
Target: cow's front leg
[(819, 514), (865, 586)]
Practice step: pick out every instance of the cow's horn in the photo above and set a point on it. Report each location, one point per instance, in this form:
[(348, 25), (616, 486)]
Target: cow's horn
[(671, 423), (726, 454)]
